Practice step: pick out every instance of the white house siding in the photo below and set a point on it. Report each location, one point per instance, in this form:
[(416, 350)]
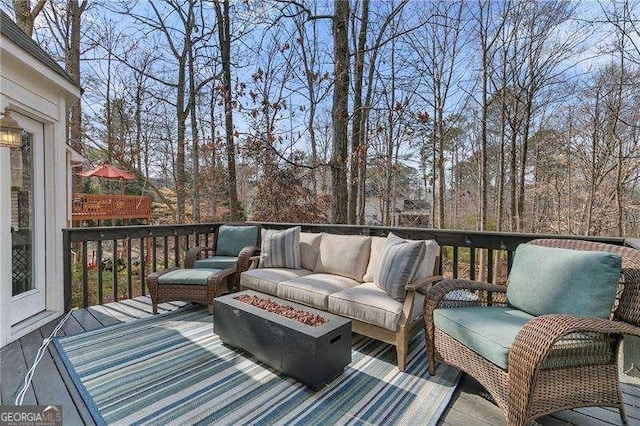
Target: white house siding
[(34, 90)]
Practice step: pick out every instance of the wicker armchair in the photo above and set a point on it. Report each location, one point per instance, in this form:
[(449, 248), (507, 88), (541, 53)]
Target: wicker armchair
[(556, 362), (238, 257)]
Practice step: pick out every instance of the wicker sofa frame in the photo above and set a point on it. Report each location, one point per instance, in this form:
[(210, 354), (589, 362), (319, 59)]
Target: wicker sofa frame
[(532, 386)]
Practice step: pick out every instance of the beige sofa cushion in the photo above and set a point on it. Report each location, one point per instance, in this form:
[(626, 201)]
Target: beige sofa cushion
[(345, 255), (377, 244), (372, 305), (266, 280), (314, 290), (309, 248)]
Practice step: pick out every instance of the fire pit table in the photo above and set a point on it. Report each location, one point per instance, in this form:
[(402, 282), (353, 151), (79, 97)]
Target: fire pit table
[(313, 355)]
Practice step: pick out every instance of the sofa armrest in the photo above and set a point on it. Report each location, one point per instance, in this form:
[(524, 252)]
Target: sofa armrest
[(411, 288), (193, 254), (414, 285), (253, 262)]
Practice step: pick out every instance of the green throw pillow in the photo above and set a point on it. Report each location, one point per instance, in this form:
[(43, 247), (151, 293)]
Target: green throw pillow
[(280, 249), (232, 239), (399, 262), (547, 280)]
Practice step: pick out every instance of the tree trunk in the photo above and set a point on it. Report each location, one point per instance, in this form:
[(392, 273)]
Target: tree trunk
[(357, 154), (224, 36), (72, 66), (523, 161), (25, 16), (195, 140), (340, 113)]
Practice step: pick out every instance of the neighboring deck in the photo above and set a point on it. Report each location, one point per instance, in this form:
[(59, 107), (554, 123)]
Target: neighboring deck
[(100, 207), (52, 385)]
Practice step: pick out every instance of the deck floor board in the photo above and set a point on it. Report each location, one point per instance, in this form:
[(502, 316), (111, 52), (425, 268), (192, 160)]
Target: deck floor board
[(13, 367), (47, 383), (86, 320), (53, 385), (105, 317)]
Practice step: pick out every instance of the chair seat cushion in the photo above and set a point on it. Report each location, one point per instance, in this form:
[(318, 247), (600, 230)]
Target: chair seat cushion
[(266, 280), (489, 332), (314, 290), (217, 262), (198, 276), (369, 303)]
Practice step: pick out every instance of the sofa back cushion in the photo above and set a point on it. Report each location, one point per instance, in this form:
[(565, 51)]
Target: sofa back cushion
[(377, 245), (233, 238), (345, 255), (548, 280), (280, 249), (399, 261), (309, 248)]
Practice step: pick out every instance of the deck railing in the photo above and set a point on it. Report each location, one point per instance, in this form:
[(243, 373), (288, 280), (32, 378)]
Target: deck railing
[(98, 207), (104, 264)]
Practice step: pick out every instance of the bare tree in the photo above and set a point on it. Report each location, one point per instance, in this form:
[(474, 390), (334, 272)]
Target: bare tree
[(26, 15), (340, 111), (224, 38)]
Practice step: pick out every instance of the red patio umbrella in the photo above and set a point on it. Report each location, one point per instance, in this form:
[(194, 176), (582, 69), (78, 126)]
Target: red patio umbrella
[(107, 171)]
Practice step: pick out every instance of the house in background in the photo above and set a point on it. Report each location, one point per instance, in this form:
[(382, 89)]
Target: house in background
[(34, 184)]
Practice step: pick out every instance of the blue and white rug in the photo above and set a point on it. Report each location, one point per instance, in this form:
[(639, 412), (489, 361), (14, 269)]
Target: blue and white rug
[(172, 369)]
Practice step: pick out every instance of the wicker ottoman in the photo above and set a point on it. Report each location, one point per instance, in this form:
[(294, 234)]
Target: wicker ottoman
[(198, 285)]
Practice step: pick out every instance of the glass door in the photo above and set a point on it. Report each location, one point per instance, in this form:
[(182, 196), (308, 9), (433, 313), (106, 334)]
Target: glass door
[(27, 223)]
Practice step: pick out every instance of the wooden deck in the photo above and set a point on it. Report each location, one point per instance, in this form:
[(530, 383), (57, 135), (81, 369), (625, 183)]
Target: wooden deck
[(99, 207), (52, 384)]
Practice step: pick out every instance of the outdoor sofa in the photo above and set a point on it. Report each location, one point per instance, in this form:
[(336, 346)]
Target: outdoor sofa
[(345, 275)]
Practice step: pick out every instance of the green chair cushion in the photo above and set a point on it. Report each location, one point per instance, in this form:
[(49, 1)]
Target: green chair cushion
[(489, 332), (198, 276), (232, 239), (217, 262), (548, 280)]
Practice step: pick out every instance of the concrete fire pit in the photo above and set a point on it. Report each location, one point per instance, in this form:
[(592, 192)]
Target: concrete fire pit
[(312, 355)]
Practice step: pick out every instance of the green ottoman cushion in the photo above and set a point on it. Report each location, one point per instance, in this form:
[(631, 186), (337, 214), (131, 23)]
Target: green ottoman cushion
[(489, 332), (547, 280), (232, 239), (217, 262), (198, 276)]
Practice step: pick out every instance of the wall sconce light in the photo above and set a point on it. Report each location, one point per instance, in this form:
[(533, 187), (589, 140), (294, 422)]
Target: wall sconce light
[(10, 131)]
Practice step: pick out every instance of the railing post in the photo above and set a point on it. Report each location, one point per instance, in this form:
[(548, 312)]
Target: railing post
[(67, 274)]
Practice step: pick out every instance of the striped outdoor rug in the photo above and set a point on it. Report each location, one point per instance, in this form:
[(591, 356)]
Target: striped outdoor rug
[(171, 368)]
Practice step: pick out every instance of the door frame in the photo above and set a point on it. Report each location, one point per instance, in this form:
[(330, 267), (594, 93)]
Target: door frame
[(32, 302)]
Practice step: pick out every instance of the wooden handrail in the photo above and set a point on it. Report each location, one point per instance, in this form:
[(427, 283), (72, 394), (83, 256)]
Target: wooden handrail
[(105, 207)]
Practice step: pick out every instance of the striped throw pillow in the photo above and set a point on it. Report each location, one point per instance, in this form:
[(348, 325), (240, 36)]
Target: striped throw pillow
[(280, 249), (399, 262)]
